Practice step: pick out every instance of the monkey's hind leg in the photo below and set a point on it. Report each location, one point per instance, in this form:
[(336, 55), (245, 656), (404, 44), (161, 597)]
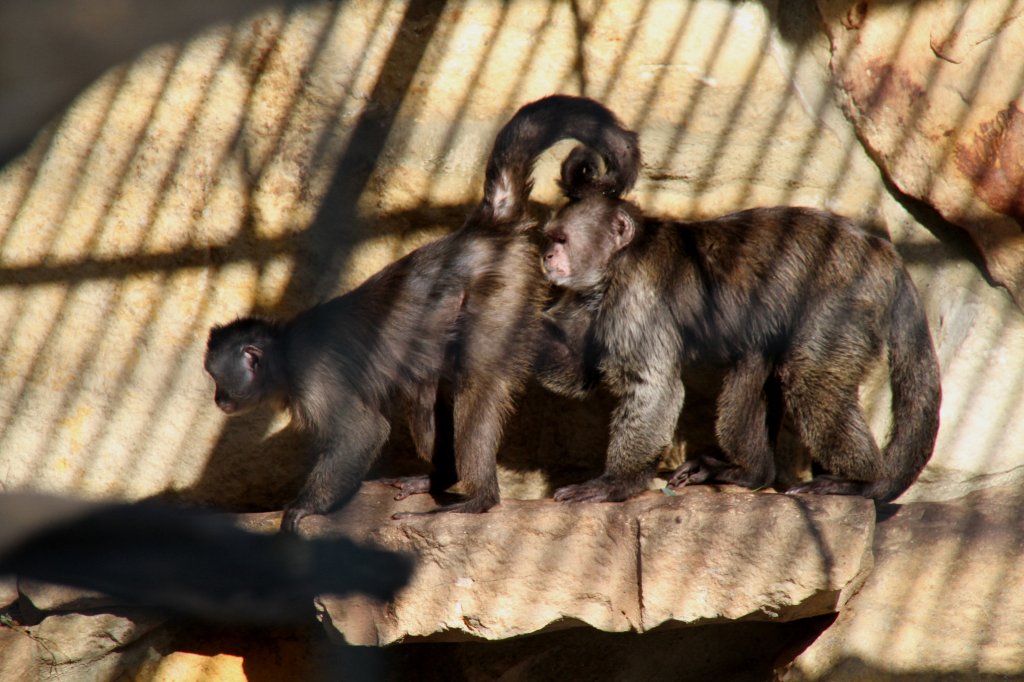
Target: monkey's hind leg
[(741, 427), (430, 425), (827, 413), (478, 416)]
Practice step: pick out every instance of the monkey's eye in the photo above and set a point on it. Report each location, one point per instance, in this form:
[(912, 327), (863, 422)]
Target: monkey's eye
[(558, 239)]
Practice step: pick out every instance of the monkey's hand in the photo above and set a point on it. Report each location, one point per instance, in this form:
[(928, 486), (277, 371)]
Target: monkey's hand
[(408, 485), (701, 468), (292, 516), (601, 489)]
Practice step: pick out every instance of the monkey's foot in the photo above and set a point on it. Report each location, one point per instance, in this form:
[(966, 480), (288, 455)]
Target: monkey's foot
[(408, 485), (829, 485), (601, 489), (705, 469), (690, 472), (474, 505), (292, 516)]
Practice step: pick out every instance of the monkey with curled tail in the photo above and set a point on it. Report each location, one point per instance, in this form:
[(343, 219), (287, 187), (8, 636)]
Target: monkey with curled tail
[(447, 333), (797, 297)]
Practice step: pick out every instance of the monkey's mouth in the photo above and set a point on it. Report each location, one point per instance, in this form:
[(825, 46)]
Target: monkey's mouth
[(555, 276), (227, 406)]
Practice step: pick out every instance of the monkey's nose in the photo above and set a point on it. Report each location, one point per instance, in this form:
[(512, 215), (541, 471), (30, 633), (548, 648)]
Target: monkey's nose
[(227, 406)]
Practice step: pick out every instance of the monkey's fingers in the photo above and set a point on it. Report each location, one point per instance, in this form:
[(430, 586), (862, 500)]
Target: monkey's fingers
[(470, 506), (704, 468), (688, 473), (292, 516)]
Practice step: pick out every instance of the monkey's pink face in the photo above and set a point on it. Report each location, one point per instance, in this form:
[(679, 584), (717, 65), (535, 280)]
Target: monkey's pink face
[(582, 240), (556, 264)]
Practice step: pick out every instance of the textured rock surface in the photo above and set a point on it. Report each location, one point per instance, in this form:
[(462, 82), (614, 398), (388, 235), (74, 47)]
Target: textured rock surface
[(73, 646), (260, 163), (699, 557), (944, 598), (935, 92)]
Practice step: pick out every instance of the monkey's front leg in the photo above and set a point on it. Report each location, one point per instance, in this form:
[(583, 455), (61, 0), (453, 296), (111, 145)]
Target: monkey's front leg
[(642, 427), (343, 461)]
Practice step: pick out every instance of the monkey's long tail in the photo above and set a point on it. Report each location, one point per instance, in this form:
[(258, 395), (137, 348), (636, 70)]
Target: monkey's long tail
[(916, 394), (539, 125)]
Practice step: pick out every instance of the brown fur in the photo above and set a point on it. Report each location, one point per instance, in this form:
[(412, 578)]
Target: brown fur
[(446, 333), (796, 296)]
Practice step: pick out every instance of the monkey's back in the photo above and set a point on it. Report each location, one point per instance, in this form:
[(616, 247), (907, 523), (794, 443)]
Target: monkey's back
[(754, 279), (420, 318)]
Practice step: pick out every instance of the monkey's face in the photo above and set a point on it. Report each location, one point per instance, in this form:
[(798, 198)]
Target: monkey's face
[(235, 359), (582, 240), (236, 372)]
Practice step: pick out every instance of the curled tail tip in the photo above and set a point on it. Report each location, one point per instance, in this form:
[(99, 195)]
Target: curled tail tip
[(538, 125)]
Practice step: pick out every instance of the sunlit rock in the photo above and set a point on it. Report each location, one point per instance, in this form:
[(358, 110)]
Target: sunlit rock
[(702, 556)]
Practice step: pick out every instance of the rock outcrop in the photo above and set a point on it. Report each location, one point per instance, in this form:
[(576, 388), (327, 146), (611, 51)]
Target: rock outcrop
[(694, 558), (942, 600), (935, 93)]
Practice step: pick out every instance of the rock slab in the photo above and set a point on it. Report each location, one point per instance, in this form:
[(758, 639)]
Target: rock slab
[(699, 557), (943, 601)]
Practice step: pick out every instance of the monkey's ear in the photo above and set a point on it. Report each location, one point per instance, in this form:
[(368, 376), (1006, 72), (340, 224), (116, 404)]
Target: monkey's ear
[(623, 228), (253, 355)]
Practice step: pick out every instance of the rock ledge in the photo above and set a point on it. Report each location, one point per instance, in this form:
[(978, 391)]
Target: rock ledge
[(701, 556)]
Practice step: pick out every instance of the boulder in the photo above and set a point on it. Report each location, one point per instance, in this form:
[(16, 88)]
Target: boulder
[(75, 646)]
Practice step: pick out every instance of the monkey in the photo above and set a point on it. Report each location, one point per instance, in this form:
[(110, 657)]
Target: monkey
[(458, 317), (798, 299)]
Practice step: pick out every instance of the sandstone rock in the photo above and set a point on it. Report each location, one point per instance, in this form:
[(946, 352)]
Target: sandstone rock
[(71, 646), (942, 600), (934, 92), (698, 557), (46, 597), (20, 659), (185, 666)]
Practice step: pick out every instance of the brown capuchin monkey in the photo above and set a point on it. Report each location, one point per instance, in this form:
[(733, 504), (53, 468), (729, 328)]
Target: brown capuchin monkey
[(448, 331), (798, 297)]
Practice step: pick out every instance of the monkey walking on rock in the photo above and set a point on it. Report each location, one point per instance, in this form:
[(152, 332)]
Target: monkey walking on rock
[(796, 295), (455, 319)]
